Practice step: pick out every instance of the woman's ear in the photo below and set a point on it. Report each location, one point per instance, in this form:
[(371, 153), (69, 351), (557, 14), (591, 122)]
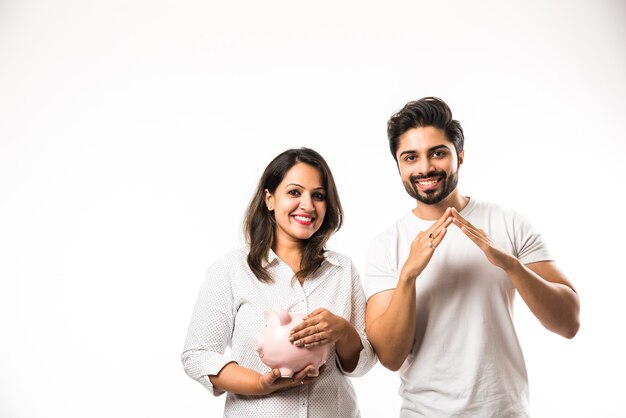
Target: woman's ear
[(269, 200)]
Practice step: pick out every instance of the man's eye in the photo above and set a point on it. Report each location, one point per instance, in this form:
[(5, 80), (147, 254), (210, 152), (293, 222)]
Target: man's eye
[(439, 154), (409, 158)]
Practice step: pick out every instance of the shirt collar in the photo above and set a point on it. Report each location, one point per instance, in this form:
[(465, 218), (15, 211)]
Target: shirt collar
[(271, 256), (330, 256)]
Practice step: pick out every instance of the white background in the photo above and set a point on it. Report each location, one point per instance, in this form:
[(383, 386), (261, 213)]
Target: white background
[(132, 134)]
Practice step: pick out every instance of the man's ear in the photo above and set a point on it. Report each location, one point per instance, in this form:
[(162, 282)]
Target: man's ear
[(460, 159)]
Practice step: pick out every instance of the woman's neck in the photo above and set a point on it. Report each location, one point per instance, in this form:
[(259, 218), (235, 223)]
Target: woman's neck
[(291, 254)]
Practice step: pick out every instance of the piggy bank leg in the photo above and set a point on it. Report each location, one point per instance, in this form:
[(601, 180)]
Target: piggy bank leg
[(314, 372), (285, 372)]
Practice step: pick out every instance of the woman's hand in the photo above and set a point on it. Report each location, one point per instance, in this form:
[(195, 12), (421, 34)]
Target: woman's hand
[(319, 327), (272, 382)]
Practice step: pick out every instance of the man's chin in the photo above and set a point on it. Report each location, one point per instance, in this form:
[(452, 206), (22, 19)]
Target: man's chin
[(430, 198), (435, 196)]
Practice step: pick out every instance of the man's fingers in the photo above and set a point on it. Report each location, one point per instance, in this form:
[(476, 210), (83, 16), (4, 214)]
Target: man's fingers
[(437, 240), (475, 235), (443, 221), (445, 225), (458, 219)]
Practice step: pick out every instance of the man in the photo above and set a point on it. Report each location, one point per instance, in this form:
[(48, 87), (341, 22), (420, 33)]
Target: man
[(441, 281)]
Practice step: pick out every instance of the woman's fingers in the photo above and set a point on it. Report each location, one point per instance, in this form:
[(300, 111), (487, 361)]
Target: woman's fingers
[(314, 330)]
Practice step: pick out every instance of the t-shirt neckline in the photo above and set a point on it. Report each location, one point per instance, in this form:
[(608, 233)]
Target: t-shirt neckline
[(464, 212)]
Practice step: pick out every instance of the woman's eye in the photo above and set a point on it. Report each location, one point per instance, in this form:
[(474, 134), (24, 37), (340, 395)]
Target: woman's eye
[(294, 192), (319, 196)]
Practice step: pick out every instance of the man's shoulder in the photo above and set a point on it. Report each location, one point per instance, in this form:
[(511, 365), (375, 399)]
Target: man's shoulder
[(478, 207), (391, 232)]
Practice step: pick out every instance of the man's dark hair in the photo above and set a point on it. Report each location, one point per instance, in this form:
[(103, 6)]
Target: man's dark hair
[(427, 111)]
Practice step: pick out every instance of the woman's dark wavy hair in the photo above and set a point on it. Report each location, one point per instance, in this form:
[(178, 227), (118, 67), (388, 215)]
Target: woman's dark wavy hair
[(260, 224), (427, 111)]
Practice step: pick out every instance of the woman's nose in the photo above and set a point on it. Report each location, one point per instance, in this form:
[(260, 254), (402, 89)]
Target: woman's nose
[(306, 202)]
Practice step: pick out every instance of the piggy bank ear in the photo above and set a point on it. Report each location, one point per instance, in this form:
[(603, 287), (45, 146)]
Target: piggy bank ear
[(267, 316), (276, 317), (284, 317)]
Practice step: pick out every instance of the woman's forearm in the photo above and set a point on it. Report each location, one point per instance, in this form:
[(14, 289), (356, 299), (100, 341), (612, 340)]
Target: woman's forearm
[(349, 348), (237, 379)]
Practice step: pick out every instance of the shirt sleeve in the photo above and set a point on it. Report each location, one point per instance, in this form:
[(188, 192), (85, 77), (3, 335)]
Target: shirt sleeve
[(367, 358), (529, 244), (210, 329), (380, 272)]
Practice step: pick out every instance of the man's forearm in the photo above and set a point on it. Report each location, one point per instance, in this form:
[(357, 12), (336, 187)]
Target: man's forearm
[(392, 333), (555, 304)]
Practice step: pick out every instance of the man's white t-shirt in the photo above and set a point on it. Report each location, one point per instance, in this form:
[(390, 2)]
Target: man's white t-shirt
[(466, 360)]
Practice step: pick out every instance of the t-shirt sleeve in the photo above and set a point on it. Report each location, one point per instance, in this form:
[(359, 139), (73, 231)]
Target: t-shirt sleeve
[(380, 270), (530, 246)]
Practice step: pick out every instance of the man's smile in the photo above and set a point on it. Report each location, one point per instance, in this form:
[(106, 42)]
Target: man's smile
[(428, 183)]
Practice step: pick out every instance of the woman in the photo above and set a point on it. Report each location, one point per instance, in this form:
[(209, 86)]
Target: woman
[(292, 215)]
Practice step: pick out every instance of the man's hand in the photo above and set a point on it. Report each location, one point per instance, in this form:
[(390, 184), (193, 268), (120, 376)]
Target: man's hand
[(424, 245), (545, 289), (495, 255)]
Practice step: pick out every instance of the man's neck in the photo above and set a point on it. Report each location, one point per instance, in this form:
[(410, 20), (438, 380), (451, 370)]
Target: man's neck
[(433, 212)]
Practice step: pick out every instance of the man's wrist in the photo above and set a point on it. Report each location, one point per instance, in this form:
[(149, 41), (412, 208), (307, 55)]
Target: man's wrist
[(513, 264), (407, 277)]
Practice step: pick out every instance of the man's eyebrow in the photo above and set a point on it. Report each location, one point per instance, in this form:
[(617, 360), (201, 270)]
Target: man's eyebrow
[(436, 147), (411, 151)]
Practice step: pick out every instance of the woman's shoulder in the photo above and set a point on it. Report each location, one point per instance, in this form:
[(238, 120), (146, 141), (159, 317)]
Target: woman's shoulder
[(237, 254), (234, 257), (337, 258)]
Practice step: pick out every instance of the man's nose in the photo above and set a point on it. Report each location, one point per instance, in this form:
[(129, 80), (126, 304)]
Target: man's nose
[(424, 166)]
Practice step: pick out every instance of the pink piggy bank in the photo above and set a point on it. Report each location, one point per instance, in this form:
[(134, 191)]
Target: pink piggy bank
[(275, 350)]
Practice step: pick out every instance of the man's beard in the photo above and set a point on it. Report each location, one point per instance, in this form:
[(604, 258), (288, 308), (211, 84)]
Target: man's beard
[(430, 197)]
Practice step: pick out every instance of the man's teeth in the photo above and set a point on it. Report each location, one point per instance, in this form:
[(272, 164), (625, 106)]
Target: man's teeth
[(427, 182), (303, 218)]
